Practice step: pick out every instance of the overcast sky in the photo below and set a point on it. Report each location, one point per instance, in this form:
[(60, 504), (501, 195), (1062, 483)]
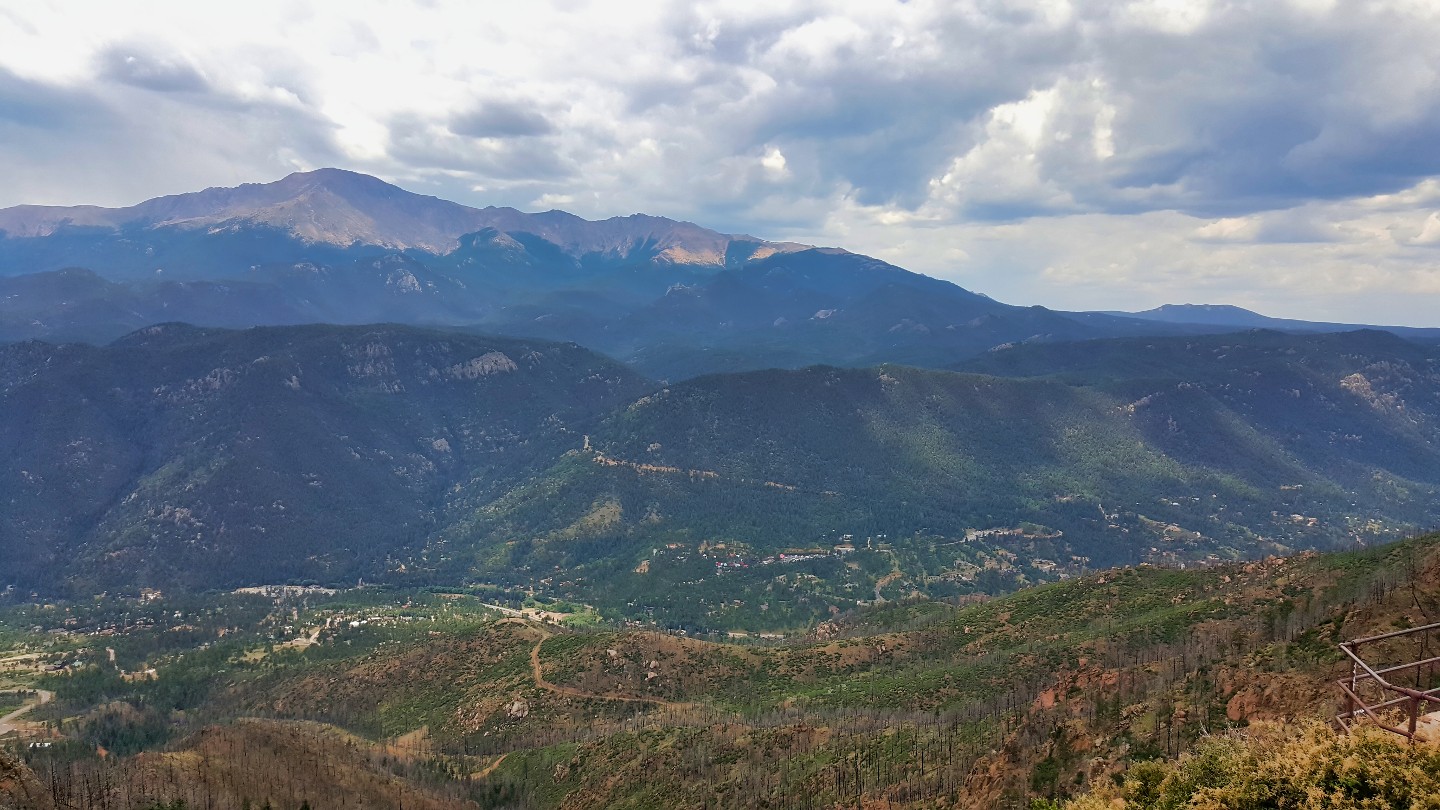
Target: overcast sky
[(1283, 156)]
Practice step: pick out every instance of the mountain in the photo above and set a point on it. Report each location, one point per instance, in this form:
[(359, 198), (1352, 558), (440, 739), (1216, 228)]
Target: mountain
[(330, 210), (210, 457), (1162, 450), (793, 310), (216, 457), (1212, 314), (672, 299), (1358, 407)]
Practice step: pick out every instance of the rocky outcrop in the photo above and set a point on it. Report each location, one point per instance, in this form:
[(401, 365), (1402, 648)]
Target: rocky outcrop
[(19, 787)]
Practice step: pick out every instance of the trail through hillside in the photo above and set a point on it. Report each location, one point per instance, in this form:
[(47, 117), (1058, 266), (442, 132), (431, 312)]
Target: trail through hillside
[(489, 769), (707, 475), (538, 676)]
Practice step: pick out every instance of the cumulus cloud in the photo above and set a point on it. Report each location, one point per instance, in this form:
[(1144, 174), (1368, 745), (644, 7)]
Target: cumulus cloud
[(501, 119), (139, 67), (959, 138)]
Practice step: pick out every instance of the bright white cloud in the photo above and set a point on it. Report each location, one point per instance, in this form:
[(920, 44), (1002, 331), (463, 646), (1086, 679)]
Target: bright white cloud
[(1069, 153)]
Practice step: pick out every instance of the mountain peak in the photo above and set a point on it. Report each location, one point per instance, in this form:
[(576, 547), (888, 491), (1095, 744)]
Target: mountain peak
[(1210, 309), (339, 181)]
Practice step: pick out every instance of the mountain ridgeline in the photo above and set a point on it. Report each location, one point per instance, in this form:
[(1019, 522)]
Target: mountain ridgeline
[(672, 299), (329, 453)]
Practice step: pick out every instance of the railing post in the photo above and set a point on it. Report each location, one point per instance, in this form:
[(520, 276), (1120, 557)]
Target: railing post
[(1349, 696), (1414, 716)]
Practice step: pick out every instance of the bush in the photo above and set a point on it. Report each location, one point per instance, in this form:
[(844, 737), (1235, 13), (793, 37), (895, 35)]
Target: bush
[(1306, 766)]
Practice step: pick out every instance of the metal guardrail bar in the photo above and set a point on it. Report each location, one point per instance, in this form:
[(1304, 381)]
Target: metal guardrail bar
[(1435, 693), (1360, 701), (1404, 690), (1412, 703), (1371, 709), (1393, 730), (1383, 636), (1397, 667)]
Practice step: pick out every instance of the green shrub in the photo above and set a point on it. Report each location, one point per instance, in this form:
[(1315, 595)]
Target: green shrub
[(1306, 766)]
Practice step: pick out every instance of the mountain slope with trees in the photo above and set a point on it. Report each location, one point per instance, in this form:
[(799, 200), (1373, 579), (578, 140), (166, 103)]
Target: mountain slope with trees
[(209, 457), (1046, 694), (323, 453)]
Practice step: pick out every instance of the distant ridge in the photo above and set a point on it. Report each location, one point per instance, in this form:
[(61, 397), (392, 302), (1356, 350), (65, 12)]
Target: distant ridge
[(344, 208), (1227, 315), (1218, 314)]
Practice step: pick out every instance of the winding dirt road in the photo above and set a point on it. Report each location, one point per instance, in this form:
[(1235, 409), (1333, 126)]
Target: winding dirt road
[(11, 721)]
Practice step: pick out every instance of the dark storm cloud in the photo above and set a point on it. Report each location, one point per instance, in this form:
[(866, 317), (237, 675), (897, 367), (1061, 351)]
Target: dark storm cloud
[(414, 141), (501, 119), (139, 67), (877, 116), (36, 105), (1253, 107), (63, 144), (1262, 107)]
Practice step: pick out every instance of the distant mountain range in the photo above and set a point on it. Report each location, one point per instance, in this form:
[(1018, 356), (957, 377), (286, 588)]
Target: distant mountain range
[(1232, 317), (343, 209), (762, 396), (670, 298)]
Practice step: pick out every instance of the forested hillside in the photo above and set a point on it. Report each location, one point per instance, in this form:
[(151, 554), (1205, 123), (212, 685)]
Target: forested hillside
[(750, 501), (209, 458), (1166, 451), (1047, 694)]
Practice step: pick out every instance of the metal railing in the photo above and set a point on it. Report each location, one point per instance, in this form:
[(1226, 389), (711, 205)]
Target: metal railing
[(1373, 695)]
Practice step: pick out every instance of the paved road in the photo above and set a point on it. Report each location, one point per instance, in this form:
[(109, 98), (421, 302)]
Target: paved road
[(11, 721)]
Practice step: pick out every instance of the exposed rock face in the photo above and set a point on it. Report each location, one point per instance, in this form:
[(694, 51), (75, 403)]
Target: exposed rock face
[(19, 788), (518, 709), (482, 366)]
